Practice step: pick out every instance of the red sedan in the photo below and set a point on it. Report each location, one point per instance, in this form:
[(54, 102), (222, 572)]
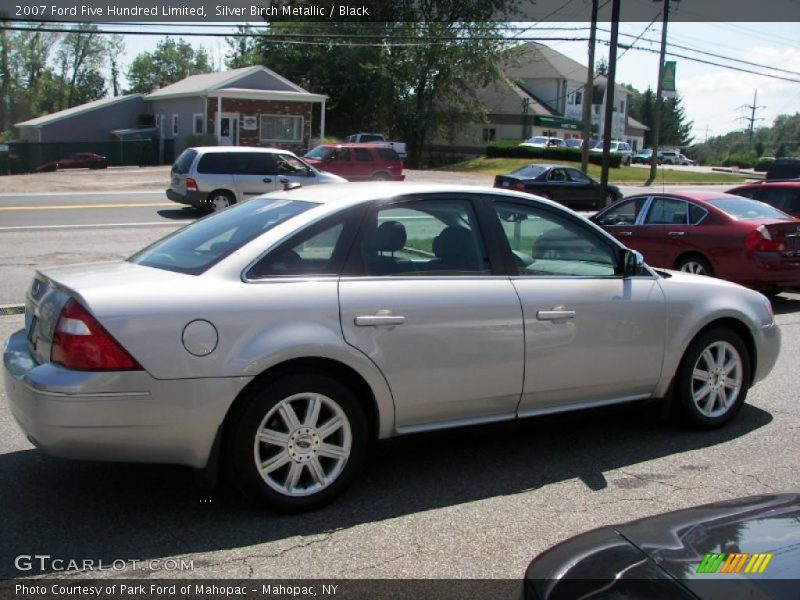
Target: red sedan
[(709, 233), (82, 160)]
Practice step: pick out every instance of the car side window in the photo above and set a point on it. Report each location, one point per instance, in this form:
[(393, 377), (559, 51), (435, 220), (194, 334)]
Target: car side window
[(363, 155), (546, 244), (577, 176), (696, 214), (255, 163), (423, 237), (667, 211), (557, 175), (215, 163), (341, 155), (312, 252), (623, 214), (289, 165)]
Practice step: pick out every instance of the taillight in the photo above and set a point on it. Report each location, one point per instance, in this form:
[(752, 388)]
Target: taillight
[(191, 184), (82, 344), (760, 240), (520, 186)]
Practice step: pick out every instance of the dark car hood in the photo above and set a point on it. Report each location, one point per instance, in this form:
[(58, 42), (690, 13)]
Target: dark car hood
[(678, 541)]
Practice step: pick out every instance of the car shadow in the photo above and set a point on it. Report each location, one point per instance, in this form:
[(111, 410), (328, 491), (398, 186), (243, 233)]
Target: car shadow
[(106, 511), (783, 305), (180, 214)]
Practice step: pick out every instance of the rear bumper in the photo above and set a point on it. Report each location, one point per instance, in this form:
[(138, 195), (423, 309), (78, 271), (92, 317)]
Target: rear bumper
[(765, 269), (115, 416), (196, 199)]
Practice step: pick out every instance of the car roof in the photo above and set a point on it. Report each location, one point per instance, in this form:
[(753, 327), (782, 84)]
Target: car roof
[(691, 195), (792, 183), (350, 194), (237, 149)]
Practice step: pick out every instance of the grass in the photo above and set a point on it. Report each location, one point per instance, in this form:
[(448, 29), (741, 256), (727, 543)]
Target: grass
[(625, 175)]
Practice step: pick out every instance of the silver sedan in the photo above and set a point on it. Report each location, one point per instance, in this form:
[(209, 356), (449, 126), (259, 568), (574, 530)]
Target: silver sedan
[(278, 337)]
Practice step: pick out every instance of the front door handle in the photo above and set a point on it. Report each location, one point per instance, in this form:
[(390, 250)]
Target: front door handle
[(556, 314), (676, 233), (624, 233), (267, 180), (379, 320)]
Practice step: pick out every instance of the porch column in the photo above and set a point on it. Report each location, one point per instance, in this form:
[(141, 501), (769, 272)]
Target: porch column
[(322, 123), (218, 118)]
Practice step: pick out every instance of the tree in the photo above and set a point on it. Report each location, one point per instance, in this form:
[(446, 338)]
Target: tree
[(171, 61), (601, 67), (414, 74), (115, 47), (81, 54)]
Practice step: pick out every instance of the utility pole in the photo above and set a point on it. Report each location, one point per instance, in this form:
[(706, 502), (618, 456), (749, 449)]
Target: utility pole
[(752, 119), (659, 92), (588, 93), (610, 84)]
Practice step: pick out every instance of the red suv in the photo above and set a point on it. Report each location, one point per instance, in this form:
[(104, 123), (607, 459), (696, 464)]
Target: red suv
[(358, 162), (783, 195)]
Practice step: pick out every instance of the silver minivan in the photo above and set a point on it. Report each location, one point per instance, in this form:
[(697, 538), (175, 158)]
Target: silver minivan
[(214, 177)]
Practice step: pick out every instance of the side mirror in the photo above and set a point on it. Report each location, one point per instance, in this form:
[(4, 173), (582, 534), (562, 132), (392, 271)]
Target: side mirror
[(632, 263), (310, 172)]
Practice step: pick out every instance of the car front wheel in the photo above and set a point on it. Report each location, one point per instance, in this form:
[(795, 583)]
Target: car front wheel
[(298, 443), (712, 381)]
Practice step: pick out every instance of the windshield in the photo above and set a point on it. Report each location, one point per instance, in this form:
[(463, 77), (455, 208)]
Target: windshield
[(319, 153), (194, 249), (744, 208), (537, 140), (529, 172)]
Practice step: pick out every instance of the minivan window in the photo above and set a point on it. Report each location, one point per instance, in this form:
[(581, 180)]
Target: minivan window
[(217, 163), (255, 163), (184, 162), (194, 249)]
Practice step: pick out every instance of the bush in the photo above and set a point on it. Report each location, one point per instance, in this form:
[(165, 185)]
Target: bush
[(743, 160), (512, 149), (201, 139)]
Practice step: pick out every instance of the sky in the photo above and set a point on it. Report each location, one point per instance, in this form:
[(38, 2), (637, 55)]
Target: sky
[(713, 97)]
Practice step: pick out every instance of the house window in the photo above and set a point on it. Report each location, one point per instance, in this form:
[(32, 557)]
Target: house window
[(622, 106), (197, 119), (577, 98), (489, 134), (281, 128), (174, 125)]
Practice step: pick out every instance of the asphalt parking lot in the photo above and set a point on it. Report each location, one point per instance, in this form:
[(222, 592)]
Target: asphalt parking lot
[(471, 503)]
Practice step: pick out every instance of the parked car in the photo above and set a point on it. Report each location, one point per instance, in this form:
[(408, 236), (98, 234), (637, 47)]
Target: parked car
[(685, 160), (742, 548), (81, 160), (784, 168), (574, 143), (566, 185), (281, 335), (215, 177), (541, 141), (710, 233), (783, 195), (357, 162), (377, 138), (643, 157), (621, 148), (669, 157)]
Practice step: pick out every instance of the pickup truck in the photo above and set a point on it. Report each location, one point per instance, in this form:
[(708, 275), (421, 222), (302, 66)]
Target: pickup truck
[(377, 138)]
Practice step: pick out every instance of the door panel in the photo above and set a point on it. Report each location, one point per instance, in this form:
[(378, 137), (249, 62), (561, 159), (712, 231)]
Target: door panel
[(458, 352), (255, 174), (611, 348)]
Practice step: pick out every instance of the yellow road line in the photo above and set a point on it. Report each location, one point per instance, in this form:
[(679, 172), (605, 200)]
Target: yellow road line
[(73, 206)]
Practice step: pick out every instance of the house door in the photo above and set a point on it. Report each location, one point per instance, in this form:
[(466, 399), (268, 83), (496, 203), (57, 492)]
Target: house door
[(229, 129)]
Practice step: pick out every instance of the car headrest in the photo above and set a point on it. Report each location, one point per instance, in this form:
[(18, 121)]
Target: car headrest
[(453, 243), (390, 236)]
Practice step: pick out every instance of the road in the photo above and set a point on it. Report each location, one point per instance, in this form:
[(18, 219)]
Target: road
[(473, 503)]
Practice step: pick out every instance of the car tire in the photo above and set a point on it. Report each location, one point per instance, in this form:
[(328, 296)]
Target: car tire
[(285, 449), (696, 264), (220, 200), (381, 176), (713, 378)]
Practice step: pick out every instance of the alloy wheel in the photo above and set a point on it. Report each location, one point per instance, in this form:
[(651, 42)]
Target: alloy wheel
[(717, 379)]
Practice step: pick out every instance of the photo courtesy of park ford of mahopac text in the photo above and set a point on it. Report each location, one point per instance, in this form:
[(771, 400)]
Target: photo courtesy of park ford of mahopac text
[(153, 143)]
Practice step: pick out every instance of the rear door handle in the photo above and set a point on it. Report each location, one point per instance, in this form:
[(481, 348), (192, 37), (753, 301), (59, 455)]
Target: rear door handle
[(267, 180), (676, 233), (624, 233), (379, 320)]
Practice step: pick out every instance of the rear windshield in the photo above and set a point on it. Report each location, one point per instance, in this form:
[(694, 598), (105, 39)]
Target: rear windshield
[(537, 140), (194, 249), (319, 153), (184, 161), (744, 208), (529, 172)]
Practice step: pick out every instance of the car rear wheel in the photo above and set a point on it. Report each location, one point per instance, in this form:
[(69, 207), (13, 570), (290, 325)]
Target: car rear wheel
[(712, 381), (220, 200), (298, 443), (695, 264), (381, 177)]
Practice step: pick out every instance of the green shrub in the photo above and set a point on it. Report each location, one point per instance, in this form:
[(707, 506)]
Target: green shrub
[(512, 149), (201, 139), (743, 160)]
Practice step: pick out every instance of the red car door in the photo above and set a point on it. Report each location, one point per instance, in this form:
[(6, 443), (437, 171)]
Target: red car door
[(625, 221)]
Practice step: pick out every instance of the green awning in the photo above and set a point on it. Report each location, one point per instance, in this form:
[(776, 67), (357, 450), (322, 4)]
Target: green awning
[(557, 122)]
